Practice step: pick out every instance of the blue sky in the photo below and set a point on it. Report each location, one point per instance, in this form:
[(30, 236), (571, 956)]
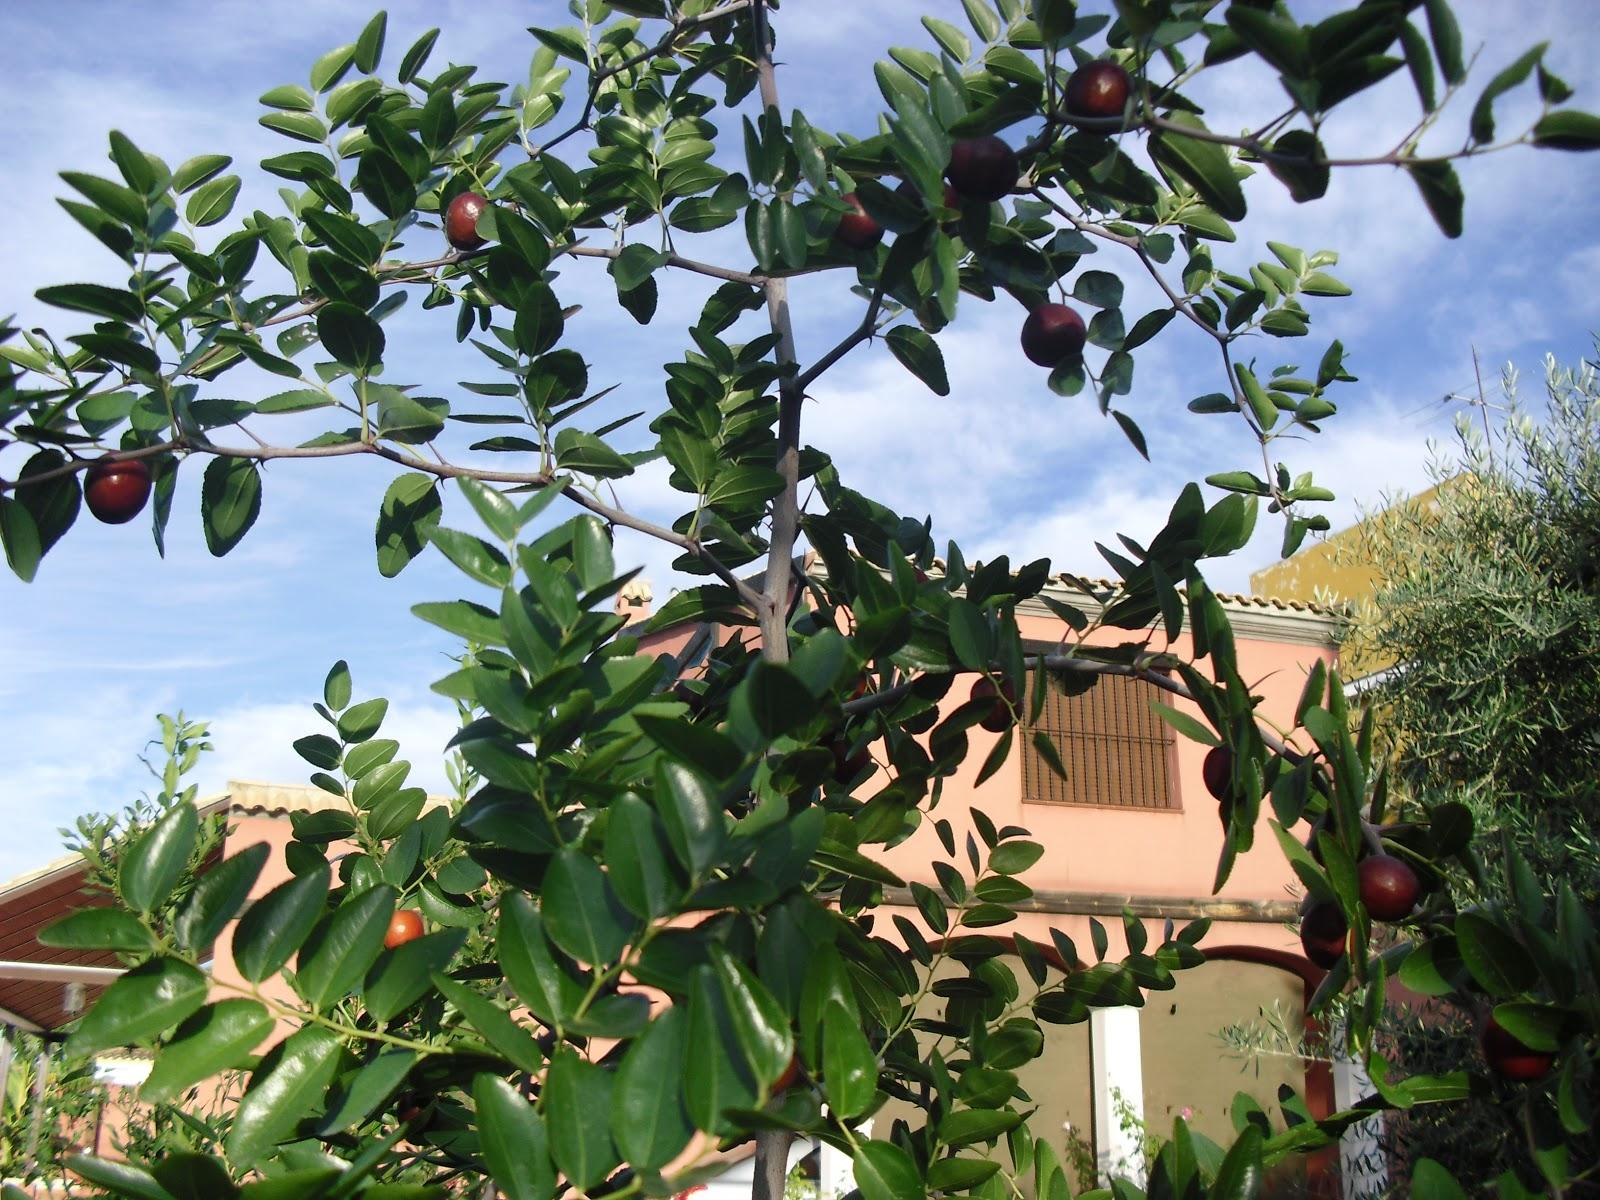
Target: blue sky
[(108, 634)]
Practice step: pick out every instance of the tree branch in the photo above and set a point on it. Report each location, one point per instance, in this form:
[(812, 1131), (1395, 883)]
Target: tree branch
[(785, 506), (440, 470)]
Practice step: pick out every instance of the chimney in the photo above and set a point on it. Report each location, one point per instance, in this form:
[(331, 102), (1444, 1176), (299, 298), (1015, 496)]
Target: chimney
[(633, 601)]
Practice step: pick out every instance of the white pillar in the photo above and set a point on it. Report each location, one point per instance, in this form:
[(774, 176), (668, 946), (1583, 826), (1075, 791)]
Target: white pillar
[(1117, 1071), (1363, 1168)]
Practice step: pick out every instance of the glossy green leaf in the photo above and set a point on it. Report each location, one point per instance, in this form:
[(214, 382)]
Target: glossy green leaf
[(118, 1178), (218, 897), (296, 1080), (140, 1004), (211, 1041), (157, 858), (98, 929), (341, 950), (359, 1093), (529, 966), (1568, 129), (515, 1145), (352, 337), (647, 1111), (1497, 961), (638, 858), (693, 818), (883, 1171), (919, 354), (403, 974), (503, 1034), (411, 507), (230, 502), (581, 910), (1203, 165), (213, 201), (849, 1068), (577, 1106), (276, 925)]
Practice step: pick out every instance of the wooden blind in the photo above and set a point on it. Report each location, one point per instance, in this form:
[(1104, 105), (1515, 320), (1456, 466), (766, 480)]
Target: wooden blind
[(1117, 752)]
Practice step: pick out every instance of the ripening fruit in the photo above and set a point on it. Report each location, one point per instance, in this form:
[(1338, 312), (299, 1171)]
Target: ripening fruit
[(1098, 89), (1052, 333), (1218, 772), (847, 766), (998, 718), (1509, 1057), (405, 926), (983, 168), (1322, 933), (1389, 888), (856, 229), (116, 489), (461, 221), (790, 1076)]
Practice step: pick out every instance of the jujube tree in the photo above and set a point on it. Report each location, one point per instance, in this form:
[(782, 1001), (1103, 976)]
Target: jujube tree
[(698, 829)]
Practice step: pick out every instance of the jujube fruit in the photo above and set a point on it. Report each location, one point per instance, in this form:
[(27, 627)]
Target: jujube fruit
[(856, 228), (1004, 696), (1098, 89), (461, 221), (1322, 933), (1217, 771), (116, 489), (1511, 1058), (405, 926), (984, 168), (1389, 888), (1052, 333)]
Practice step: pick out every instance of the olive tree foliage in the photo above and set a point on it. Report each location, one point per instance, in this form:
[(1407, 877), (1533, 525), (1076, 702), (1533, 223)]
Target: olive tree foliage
[(703, 829), (1487, 601)]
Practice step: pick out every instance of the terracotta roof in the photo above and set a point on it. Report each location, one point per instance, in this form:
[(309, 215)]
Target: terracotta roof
[(1102, 587)]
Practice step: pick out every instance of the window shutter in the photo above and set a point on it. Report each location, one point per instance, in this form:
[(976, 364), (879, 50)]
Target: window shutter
[(1117, 752)]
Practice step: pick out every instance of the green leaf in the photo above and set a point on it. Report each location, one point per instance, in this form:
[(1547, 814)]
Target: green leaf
[(977, 1125), (474, 556), (493, 507), (515, 1146), (411, 507), (588, 455), (298, 1077), (503, 1034), (647, 1112), (529, 966), (1203, 165), (849, 1068), (119, 1178), (230, 502), (1013, 858), (219, 894), (581, 911), (1430, 1181), (274, 927), (1568, 129), (404, 974), (692, 815), (214, 1039), (1299, 163), (883, 1171), (330, 68), (340, 951), (197, 170), (1510, 77), (93, 298), (359, 1092), (213, 201), (352, 337), (1441, 192), (637, 856), (157, 859), (919, 354), (759, 1022), (1239, 1175), (970, 635), (141, 1003), (417, 56), (289, 96), (577, 1105), (21, 537), (345, 236), (369, 46), (1446, 37), (1497, 961), (98, 929)]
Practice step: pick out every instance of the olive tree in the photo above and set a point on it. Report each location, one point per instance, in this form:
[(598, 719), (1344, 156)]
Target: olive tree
[(655, 907)]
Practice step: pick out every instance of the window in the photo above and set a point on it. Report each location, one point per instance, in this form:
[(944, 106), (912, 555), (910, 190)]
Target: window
[(1115, 749)]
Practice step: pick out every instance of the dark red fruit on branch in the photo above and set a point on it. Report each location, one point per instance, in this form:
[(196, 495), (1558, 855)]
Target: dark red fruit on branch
[(862, 687), (1098, 89), (405, 926), (116, 489), (1389, 888), (998, 718), (1322, 933), (1509, 1057), (856, 229), (1051, 333), (847, 766), (461, 221), (790, 1076), (1217, 771), (983, 168)]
